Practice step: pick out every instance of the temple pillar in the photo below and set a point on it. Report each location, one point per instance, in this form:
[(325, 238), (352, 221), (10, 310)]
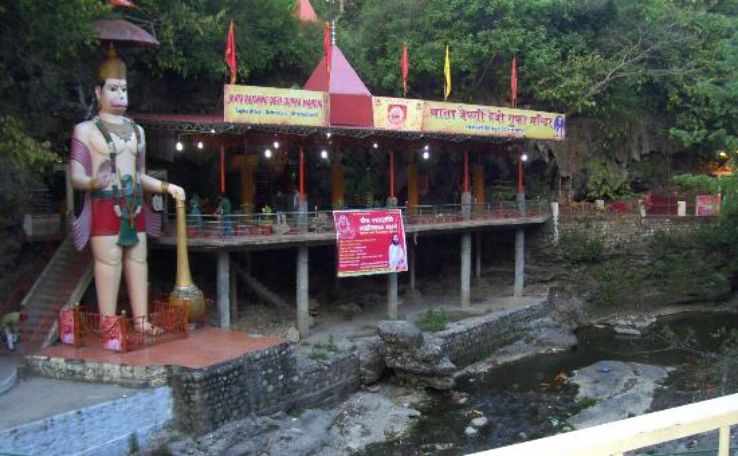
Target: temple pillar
[(247, 166), (338, 194), (478, 188), (519, 262), (303, 317), (412, 188), (224, 285), (465, 269), (392, 296)]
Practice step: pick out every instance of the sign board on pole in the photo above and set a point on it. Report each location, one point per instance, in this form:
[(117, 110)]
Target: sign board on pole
[(707, 205), (370, 242)]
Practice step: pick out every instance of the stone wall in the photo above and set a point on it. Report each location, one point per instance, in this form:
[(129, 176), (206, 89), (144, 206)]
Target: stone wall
[(618, 230), (258, 383), (472, 339)]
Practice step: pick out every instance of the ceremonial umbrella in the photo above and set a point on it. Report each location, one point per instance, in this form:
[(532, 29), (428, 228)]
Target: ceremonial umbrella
[(122, 31)]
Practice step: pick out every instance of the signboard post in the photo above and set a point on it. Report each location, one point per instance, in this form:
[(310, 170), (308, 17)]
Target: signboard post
[(370, 242)]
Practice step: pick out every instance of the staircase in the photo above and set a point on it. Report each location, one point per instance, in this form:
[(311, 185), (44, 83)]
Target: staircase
[(62, 283), (260, 289)]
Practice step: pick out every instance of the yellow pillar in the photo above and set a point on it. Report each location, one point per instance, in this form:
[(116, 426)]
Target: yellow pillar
[(248, 165), (478, 187), (338, 189), (412, 187)]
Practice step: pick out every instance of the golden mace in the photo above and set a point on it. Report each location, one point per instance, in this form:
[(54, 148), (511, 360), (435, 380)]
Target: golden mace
[(185, 293)]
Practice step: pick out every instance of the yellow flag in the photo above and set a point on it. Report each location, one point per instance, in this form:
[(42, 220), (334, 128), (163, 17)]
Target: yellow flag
[(447, 76)]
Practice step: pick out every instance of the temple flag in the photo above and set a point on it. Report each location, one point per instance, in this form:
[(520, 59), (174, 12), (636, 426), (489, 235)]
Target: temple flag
[(404, 64), (514, 83), (327, 48), (230, 53), (447, 75), (125, 3)]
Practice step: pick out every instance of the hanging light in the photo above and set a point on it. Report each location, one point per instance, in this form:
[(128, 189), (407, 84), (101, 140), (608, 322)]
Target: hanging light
[(179, 146), (200, 145), (375, 145), (212, 130), (328, 135), (276, 144), (324, 154), (268, 153), (426, 147), (524, 157), (426, 155)]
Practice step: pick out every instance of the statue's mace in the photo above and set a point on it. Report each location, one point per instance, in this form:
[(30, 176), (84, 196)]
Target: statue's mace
[(185, 293)]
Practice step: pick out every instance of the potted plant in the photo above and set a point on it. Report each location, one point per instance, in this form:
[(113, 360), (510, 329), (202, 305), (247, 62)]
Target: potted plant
[(266, 222)]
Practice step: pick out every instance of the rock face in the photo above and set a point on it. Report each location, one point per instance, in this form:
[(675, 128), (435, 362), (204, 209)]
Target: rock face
[(420, 361), (620, 389), (371, 351)]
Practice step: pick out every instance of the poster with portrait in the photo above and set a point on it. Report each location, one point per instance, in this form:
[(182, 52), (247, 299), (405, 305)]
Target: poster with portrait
[(370, 242), (398, 114)]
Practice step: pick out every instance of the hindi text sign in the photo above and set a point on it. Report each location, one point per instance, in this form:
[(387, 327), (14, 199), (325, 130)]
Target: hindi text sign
[(370, 242), (267, 105)]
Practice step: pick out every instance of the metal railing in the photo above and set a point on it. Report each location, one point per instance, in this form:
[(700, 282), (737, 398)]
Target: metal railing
[(614, 439), (291, 223)]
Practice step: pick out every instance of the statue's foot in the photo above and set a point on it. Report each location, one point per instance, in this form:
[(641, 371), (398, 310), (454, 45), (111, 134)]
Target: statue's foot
[(148, 329)]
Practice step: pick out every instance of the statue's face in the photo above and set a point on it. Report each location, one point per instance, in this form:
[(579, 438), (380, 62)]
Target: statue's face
[(112, 97)]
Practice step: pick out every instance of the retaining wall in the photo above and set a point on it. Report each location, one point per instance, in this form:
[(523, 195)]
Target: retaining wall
[(473, 339)]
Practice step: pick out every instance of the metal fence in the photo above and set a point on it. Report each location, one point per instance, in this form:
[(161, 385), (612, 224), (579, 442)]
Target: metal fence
[(291, 223)]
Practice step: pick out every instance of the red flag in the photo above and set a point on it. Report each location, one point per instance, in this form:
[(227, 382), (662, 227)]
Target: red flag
[(327, 48), (126, 3), (514, 83), (404, 64), (230, 53)]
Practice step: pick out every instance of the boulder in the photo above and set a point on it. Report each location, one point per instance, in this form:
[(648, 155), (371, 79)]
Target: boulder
[(371, 352), (399, 334)]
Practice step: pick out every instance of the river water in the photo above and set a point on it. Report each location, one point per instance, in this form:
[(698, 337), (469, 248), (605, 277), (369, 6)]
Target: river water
[(532, 398)]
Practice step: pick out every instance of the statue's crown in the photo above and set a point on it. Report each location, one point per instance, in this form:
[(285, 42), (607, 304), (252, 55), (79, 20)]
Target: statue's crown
[(113, 67)]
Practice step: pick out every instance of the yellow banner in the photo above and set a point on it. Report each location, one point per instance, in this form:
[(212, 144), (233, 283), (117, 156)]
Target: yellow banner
[(267, 105), (464, 119), (398, 114)]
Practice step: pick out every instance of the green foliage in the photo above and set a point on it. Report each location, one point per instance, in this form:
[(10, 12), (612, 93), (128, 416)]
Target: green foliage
[(436, 320), (579, 247)]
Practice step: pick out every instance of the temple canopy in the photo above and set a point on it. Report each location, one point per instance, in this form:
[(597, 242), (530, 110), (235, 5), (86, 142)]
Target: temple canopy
[(351, 101), (305, 12)]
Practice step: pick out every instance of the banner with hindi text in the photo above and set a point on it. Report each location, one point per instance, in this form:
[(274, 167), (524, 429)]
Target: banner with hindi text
[(370, 242), (464, 119), (268, 105)]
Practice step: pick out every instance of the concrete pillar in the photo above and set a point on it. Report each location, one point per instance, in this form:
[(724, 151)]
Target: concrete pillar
[(303, 317), (224, 285), (233, 297), (465, 269), (479, 256), (466, 204), (302, 216), (411, 265), (519, 262), (392, 296), (520, 198)]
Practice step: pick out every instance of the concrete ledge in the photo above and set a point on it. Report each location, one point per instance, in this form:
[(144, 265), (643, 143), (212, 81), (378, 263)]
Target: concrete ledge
[(111, 428)]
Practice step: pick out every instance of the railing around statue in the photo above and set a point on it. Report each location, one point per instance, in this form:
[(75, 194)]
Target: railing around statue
[(619, 437), (122, 333), (295, 223)]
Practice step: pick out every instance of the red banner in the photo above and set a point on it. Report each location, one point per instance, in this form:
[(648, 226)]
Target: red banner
[(370, 242)]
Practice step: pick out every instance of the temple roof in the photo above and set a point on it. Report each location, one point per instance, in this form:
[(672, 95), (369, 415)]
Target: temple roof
[(305, 12), (343, 80)]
